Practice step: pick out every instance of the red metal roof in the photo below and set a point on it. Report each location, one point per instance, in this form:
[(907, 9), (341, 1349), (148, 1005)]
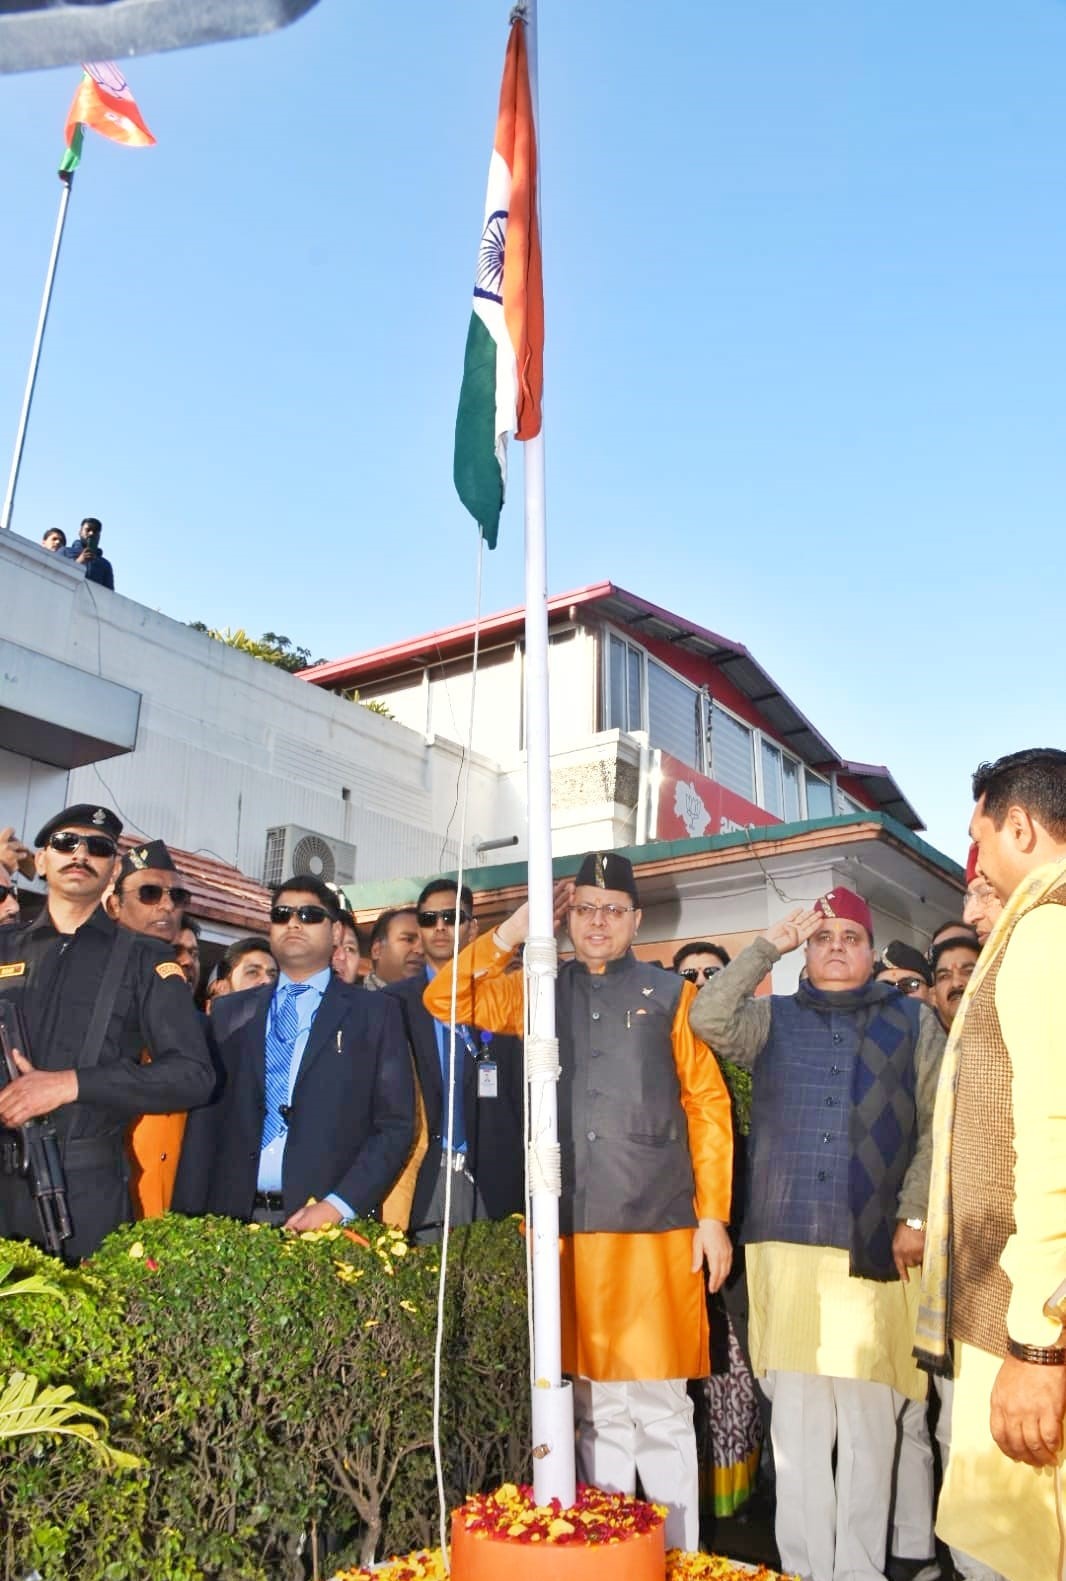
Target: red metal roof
[(220, 893)]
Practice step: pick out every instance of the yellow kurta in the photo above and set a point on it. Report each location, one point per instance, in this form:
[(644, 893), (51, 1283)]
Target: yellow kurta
[(631, 1306), (1006, 1514), (831, 1325)]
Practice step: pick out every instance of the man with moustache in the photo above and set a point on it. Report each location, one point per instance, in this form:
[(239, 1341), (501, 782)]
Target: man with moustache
[(147, 898), (9, 896), (952, 964), (646, 1139), (843, 1088), (994, 1276), (93, 996)]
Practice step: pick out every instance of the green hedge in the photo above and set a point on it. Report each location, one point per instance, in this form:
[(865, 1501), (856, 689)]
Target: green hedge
[(278, 1390)]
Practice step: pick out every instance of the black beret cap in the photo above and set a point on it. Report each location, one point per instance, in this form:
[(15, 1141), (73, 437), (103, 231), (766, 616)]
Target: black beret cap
[(905, 958), (608, 870), (82, 816), (138, 857)]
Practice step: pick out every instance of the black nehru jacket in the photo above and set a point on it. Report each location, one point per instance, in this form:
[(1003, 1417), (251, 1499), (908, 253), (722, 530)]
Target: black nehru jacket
[(56, 979)]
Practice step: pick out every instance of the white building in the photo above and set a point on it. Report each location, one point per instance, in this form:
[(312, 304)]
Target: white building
[(661, 732)]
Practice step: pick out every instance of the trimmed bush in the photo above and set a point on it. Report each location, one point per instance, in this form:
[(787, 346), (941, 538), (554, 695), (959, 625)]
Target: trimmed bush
[(278, 1389)]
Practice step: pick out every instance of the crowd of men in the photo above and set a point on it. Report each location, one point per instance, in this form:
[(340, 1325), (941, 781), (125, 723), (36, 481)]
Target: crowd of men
[(902, 1212)]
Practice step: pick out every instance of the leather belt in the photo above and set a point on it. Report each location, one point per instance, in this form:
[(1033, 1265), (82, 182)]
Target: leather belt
[(269, 1199)]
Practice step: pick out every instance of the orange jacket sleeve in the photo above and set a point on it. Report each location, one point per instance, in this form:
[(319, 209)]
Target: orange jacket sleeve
[(705, 1099), (485, 997)]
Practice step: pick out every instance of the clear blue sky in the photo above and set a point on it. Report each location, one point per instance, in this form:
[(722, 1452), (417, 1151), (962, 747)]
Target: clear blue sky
[(805, 269)]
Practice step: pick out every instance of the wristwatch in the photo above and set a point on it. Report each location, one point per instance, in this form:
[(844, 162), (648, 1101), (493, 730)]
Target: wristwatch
[(915, 1224), (1041, 1355)]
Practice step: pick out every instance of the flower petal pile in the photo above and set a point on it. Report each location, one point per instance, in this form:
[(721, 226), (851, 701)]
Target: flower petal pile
[(594, 1519)]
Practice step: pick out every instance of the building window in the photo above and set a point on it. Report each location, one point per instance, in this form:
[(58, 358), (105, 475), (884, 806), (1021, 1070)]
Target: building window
[(674, 715), (732, 752), (848, 804), (625, 708), (819, 796), (780, 783)]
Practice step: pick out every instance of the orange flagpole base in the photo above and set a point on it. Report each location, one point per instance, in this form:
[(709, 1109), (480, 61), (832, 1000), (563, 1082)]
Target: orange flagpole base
[(480, 1556)]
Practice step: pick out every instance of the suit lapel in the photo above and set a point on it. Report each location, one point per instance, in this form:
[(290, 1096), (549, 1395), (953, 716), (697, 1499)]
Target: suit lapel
[(324, 1028)]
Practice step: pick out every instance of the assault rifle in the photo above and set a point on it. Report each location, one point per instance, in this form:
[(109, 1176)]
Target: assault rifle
[(34, 1150)]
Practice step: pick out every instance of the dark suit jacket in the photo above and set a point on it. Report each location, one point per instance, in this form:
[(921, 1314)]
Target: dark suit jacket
[(494, 1126), (351, 1119)]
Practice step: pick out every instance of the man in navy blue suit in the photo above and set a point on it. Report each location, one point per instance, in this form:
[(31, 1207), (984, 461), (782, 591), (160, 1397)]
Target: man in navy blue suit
[(314, 1114)]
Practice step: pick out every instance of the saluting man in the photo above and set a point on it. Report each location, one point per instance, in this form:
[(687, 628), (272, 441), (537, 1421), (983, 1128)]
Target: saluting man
[(647, 1156), (93, 996)]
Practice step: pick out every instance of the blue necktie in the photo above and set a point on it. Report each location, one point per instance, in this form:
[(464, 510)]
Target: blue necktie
[(280, 1042)]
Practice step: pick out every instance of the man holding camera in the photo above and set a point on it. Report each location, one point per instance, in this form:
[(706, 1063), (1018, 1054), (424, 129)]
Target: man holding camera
[(92, 996), (86, 551)]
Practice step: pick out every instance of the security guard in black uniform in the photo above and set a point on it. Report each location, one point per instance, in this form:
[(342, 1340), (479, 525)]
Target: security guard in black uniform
[(93, 996)]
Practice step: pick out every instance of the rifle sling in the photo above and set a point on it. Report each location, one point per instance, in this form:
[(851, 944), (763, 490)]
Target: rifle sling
[(121, 946)]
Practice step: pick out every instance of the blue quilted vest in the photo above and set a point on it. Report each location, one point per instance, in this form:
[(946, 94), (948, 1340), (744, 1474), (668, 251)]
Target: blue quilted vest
[(833, 1123)]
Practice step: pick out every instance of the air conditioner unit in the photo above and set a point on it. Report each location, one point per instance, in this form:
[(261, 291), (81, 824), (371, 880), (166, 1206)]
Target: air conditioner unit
[(290, 849)]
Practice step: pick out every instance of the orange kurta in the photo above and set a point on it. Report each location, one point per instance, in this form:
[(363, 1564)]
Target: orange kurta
[(631, 1306), (154, 1146)]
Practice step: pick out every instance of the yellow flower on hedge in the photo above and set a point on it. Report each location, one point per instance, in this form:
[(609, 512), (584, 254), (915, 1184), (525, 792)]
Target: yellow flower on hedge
[(559, 1527), (372, 1322), (136, 1250), (408, 1306)]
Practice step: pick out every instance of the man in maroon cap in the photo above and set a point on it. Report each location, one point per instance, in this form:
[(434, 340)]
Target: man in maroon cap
[(844, 1083)]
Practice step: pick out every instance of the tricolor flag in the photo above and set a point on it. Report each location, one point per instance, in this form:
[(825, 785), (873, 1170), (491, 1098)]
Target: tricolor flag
[(104, 102), (503, 374)]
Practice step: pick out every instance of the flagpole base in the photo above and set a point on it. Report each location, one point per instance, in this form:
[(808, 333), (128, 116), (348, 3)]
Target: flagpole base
[(553, 1444)]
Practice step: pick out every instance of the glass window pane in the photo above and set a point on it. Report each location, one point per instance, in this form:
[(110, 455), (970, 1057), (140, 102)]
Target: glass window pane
[(633, 667), (732, 755), (674, 709), (616, 685), (791, 771), (772, 796), (819, 797)]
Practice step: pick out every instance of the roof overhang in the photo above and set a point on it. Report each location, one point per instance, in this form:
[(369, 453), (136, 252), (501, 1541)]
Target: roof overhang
[(57, 714)]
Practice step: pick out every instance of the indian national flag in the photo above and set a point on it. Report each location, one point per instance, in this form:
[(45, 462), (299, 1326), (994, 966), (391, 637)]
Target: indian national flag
[(503, 374), (104, 102)]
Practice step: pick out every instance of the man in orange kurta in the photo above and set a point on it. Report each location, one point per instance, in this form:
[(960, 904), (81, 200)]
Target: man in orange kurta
[(647, 1150), (148, 898)]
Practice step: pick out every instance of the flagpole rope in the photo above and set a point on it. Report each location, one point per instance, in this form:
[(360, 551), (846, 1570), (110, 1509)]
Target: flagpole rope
[(438, 1346)]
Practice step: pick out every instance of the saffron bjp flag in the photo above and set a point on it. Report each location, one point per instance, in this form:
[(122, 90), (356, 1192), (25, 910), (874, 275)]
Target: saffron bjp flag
[(503, 372), (104, 102)]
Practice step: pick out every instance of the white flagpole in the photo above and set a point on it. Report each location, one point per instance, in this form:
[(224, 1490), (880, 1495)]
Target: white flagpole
[(553, 1415), (67, 180)]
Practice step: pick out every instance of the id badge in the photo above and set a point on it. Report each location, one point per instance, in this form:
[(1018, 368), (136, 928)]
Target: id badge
[(488, 1085)]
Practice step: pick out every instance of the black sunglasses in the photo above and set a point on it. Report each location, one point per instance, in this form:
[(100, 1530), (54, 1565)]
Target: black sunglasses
[(6, 890), (694, 973), (152, 894), (429, 919), (67, 842), (283, 914), (910, 985)]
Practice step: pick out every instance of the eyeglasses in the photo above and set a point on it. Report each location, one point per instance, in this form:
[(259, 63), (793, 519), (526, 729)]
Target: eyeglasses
[(910, 985), (429, 919), (694, 973), (588, 913), (283, 914), (66, 842), (6, 891), (152, 894)]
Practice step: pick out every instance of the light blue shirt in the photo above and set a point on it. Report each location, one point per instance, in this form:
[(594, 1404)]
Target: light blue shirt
[(271, 1158), (462, 1043)]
